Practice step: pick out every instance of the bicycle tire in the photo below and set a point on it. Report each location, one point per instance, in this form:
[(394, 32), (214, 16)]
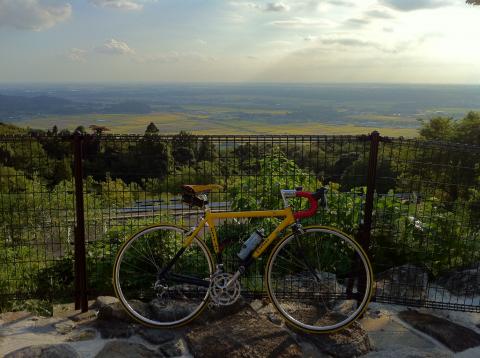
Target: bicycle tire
[(319, 280), (172, 305)]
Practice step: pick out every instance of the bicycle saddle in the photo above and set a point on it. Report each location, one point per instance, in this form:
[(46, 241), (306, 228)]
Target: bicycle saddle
[(201, 189)]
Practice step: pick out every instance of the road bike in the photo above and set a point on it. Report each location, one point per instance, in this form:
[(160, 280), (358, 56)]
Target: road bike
[(318, 278)]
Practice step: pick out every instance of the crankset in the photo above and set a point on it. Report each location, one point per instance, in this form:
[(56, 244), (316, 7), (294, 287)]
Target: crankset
[(222, 294)]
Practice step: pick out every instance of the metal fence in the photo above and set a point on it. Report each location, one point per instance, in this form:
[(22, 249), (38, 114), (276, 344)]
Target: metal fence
[(67, 203)]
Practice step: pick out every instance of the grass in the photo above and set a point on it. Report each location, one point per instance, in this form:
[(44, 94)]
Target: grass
[(169, 123)]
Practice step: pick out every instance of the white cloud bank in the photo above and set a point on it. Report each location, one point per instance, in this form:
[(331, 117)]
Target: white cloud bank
[(36, 15), (411, 5), (115, 47), (118, 4), (77, 55)]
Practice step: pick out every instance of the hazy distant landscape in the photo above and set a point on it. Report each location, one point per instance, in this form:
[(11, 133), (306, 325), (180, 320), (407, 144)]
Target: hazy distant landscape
[(237, 108)]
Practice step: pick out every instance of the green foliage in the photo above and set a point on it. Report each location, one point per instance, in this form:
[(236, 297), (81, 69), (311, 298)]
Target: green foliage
[(438, 128), (262, 191), (151, 129), (184, 148), (424, 233), (115, 193), (440, 228), (465, 130)]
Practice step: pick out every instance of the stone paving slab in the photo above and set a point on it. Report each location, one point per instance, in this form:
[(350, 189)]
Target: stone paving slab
[(456, 337), (250, 333)]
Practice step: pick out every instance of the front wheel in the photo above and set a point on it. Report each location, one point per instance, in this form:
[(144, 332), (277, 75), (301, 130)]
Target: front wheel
[(320, 279), (157, 282)]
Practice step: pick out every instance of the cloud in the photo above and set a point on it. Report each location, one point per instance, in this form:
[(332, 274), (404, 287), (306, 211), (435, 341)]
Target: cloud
[(411, 5), (118, 4), (350, 42), (276, 7), (115, 47), (310, 38), (36, 15), (175, 57), (378, 14), (300, 22), (341, 3), (268, 7), (77, 55), (357, 22), (393, 48)]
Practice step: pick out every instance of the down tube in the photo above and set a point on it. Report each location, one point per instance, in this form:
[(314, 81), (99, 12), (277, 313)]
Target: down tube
[(283, 225)]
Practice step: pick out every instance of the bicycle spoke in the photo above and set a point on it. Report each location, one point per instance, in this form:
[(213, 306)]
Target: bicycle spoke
[(162, 302), (304, 278)]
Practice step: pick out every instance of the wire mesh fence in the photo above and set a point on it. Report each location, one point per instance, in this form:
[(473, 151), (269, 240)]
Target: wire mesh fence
[(424, 244), (36, 218)]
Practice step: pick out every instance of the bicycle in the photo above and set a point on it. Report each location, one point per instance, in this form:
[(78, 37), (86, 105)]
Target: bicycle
[(318, 278)]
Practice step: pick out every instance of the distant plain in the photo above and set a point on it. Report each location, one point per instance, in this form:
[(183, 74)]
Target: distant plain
[(393, 110)]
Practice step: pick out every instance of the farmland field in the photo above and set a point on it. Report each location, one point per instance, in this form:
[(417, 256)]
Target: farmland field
[(395, 110), (169, 123)]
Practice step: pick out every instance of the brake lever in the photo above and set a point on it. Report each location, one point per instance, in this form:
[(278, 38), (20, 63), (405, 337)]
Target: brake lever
[(321, 194)]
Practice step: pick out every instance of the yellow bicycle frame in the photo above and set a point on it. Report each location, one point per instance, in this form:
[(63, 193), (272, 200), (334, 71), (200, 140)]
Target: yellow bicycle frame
[(211, 216)]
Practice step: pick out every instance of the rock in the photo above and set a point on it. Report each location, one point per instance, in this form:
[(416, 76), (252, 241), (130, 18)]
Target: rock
[(10, 317), (456, 337), (303, 282), (156, 336), (275, 318), (168, 310), (83, 316), (102, 301), (116, 329), (256, 305), (244, 334), (84, 335), (352, 341), (124, 349), (115, 311), (407, 352), (407, 282), (45, 351), (65, 327), (212, 313), (462, 282), (173, 349)]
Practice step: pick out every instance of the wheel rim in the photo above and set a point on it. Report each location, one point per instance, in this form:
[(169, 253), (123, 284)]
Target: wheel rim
[(171, 308), (320, 297)]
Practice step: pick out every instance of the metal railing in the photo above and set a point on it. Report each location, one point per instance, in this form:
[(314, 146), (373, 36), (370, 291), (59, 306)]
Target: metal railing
[(67, 203)]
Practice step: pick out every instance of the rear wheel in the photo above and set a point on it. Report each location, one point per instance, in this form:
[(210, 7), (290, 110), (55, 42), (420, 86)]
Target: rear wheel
[(319, 280), (171, 299)]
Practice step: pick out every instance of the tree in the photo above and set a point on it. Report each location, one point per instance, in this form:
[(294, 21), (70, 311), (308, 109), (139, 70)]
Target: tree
[(207, 150), (473, 2), (467, 130), (80, 130), (438, 128), (151, 129), (98, 130), (184, 148), (151, 157)]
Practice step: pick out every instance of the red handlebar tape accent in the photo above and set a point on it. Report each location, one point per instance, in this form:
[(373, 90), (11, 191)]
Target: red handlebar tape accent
[(311, 210)]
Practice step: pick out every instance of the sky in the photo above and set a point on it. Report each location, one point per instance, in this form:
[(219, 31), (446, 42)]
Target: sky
[(380, 41)]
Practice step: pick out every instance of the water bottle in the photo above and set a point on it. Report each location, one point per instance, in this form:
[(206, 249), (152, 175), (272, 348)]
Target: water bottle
[(252, 242)]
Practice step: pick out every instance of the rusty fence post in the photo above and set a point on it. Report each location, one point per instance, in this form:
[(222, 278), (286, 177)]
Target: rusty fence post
[(81, 301), (365, 230), (371, 185)]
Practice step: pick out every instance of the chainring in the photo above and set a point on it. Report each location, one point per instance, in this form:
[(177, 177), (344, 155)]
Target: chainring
[(220, 294)]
